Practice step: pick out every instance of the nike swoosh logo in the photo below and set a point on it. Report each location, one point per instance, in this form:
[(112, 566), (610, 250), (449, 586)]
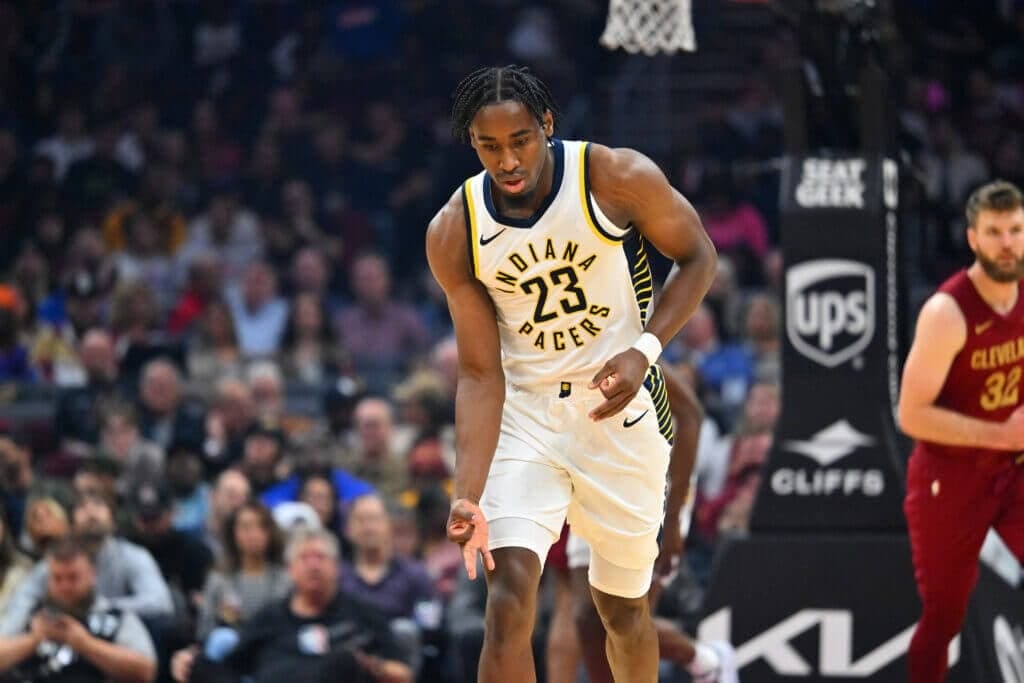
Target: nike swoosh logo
[(978, 329), (485, 241), (629, 423)]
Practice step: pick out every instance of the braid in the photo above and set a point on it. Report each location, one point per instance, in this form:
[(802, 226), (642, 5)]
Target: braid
[(494, 84)]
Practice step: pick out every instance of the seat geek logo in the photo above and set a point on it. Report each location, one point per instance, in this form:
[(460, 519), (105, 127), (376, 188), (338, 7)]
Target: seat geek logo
[(830, 309), (831, 184)]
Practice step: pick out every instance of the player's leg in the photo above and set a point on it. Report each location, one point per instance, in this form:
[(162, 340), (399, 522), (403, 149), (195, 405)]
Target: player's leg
[(1009, 523), (509, 617), (620, 596), (563, 648), (525, 502), (949, 508), (589, 627)]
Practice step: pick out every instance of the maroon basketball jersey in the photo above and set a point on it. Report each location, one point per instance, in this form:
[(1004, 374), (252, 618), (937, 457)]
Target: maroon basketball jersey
[(985, 377)]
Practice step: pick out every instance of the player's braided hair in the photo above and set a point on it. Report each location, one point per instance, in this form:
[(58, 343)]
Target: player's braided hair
[(499, 84)]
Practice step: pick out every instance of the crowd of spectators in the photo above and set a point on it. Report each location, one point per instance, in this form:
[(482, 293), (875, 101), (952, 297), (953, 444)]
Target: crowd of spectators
[(226, 376)]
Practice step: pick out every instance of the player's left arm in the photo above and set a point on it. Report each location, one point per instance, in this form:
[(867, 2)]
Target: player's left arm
[(632, 190), (688, 416)]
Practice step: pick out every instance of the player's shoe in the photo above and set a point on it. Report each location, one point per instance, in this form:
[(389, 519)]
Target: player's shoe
[(726, 671)]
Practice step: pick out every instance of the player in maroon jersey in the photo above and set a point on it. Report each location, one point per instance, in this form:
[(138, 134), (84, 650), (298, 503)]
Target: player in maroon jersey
[(961, 401)]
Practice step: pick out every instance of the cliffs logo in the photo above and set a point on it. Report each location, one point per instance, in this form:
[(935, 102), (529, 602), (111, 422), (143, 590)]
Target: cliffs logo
[(826, 448), (831, 183), (830, 309)]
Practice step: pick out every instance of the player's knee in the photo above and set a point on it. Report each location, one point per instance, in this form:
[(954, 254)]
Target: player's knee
[(624, 617), (509, 614)]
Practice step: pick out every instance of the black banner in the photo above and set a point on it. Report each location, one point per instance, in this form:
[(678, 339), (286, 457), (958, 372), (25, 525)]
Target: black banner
[(820, 609), (993, 633), (837, 459), (815, 608)]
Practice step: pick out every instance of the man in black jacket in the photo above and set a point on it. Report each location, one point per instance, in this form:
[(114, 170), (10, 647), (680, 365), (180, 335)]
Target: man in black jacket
[(316, 634)]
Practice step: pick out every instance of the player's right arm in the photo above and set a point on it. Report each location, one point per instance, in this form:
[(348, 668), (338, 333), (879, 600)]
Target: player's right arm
[(480, 393), (941, 334)]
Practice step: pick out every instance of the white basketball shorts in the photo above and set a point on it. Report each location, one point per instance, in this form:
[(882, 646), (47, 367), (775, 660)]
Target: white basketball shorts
[(608, 478)]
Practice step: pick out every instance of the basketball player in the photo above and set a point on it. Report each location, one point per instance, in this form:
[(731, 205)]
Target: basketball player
[(713, 662), (543, 257), (961, 401)]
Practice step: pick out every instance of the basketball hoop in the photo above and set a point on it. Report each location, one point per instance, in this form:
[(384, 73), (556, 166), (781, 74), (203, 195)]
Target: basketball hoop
[(649, 26)]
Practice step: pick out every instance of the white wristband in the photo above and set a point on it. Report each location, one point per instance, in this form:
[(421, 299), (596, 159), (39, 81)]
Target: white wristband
[(649, 345)]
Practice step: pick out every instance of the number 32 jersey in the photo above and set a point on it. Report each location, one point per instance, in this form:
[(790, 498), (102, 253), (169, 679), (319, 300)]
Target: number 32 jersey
[(984, 380), (571, 289)]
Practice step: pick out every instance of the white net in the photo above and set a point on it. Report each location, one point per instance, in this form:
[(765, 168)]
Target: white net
[(649, 26)]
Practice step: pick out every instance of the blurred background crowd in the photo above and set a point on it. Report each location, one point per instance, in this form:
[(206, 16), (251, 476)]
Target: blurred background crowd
[(215, 313)]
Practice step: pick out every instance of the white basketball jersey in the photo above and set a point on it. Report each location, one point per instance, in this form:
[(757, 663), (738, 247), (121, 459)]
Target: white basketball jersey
[(570, 288)]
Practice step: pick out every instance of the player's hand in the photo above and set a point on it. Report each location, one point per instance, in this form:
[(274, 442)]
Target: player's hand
[(1014, 426), (670, 554), (468, 528), (619, 380)]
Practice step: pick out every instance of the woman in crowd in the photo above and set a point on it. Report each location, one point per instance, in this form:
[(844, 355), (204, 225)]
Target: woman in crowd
[(251, 575), (13, 565)]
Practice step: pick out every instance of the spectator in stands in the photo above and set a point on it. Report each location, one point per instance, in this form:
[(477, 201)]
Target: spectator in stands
[(77, 418), (184, 473), (259, 313), (267, 386), (761, 332), (70, 143), (308, 347), (126, 574), (318, 492), (202, 286), (68, 315), (14, 565), (442, 558), (396, 586), (79, 635), (15, 363), (381, 334), (225, 230), (230, 492), (251, 573), (726, 369), (97, 476), (263, 456), (95, 183), (749, 446), (183, 559), (16, 477), (219, 156), (316, 634), (167, 417), (138, 459), (146, 259), (136, 323), (375, 457), (735, 226), (231, 417), (46, 520), (309, 274), (315, 458), (214, 353), (262, 181)]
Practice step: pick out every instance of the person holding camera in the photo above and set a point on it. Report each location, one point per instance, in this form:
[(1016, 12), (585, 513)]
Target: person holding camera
[(315, 634), (73, 635)]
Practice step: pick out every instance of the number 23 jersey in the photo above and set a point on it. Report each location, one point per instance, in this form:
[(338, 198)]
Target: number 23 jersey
[(571, 289), (985, 376)]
